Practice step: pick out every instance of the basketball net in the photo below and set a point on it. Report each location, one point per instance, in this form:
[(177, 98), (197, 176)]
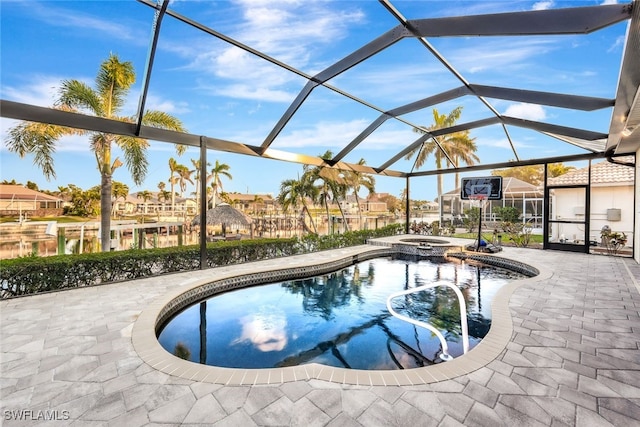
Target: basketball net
[(478, 198)]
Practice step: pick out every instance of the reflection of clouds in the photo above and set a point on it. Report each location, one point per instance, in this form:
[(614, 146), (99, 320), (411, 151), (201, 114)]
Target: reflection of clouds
[(265, 329)]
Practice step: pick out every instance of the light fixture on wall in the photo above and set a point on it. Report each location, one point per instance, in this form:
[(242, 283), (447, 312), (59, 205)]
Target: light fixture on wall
[(627, 131), (632, 120)]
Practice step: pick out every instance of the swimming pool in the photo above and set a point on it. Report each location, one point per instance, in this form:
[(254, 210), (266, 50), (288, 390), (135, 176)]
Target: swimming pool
[(340, 319)]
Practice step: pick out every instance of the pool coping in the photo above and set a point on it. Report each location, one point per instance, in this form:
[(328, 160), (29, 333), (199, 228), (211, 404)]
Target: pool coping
[(149, 349)]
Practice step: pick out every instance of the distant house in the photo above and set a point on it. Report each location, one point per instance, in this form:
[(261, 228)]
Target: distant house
[(525, 197), (375, 203), (136, 204), (251, 203), (611, 204), (19, 201)]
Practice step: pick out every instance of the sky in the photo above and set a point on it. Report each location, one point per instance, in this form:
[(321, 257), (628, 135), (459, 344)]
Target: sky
[(220, 91)]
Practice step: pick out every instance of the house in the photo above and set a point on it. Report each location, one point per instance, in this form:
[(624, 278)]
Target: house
[(136, 204), (21, 202), (611, 201), (525, 197), (252, 204)]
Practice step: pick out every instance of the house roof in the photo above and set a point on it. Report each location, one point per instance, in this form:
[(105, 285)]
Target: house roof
[(18, 192), (244, 197), (510, 185), (601, 173)]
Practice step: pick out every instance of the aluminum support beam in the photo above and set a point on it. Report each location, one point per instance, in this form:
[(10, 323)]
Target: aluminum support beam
[(575, 102), (157, 23), (510, 164), (550, 128), (577, 20), (32, 113), (365, 52)]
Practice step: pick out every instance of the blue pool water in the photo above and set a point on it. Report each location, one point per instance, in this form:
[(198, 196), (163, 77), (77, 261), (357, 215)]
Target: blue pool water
[(340, 319)]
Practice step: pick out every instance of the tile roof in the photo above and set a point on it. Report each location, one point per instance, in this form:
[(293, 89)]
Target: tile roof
[(603, 172), (18, 192)]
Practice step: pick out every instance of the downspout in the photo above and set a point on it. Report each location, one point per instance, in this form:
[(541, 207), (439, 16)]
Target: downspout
[(610, 159), (407, 210)]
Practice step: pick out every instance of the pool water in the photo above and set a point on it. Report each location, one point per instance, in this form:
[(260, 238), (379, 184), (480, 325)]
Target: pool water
[(340, 319)]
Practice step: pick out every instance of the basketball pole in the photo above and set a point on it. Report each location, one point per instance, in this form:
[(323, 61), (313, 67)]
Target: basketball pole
[(479, 225)]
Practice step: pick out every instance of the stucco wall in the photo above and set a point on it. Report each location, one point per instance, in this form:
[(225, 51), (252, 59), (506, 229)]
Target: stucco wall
[(568, 205)]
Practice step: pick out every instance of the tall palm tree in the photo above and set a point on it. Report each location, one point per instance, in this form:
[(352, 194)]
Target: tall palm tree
[(459, 146), (112, 86), (217, 172), (119, 189), (174, 166), (184, 176), (196, 178), (294, 192), (332, 186), (356, 180)]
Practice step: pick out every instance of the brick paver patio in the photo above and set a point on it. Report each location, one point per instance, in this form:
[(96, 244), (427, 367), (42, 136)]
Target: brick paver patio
[(573, 359)]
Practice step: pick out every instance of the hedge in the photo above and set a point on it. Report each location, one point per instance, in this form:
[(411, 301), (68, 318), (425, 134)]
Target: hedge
[(30, 275)]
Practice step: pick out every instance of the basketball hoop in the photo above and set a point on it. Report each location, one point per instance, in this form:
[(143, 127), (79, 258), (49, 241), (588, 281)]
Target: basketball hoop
[(478, 197)]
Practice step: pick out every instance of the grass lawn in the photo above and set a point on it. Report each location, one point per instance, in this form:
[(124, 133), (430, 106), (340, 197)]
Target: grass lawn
[(61, 219), (535, 238)]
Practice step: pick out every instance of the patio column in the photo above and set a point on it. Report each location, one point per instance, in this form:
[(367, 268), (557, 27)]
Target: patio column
[(203, 203)]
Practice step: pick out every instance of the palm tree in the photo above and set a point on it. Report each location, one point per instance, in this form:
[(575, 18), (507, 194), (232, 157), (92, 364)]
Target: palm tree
[(459, 146), (145, 196), (184, 176), (331, 187), (294, 192), (256, 201), (217, 172), (196, 166), (119, 190), (112, 86), (173, 180), (163, 195), (356, 180)]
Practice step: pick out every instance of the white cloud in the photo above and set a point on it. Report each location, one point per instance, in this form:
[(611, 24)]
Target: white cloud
[(617, 43), (605, 2), (526, 111), (155, 102), (500, 55), (258, 93), (41, 91), (294, 32), (501, 143), (496, 143), (542, 5), (337, 135), (85, 23)]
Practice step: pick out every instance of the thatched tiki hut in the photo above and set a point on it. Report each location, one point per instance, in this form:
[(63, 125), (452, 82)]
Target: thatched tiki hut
[(225, 215)]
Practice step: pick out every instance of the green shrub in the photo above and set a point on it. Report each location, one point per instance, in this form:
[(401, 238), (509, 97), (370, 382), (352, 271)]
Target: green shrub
[(30, 275), (507, 213), (518, 233)]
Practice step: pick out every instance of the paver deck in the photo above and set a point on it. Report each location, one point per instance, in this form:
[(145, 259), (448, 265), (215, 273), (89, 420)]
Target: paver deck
[(573, 359)]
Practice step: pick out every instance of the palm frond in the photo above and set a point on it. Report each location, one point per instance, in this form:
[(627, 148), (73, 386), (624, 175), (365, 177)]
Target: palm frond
[(162, 120), (113, 82), (76, 95), (38, 139), (135, 156)]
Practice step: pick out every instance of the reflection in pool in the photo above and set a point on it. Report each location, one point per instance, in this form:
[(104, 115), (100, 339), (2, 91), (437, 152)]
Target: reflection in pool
[(340, 319)]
